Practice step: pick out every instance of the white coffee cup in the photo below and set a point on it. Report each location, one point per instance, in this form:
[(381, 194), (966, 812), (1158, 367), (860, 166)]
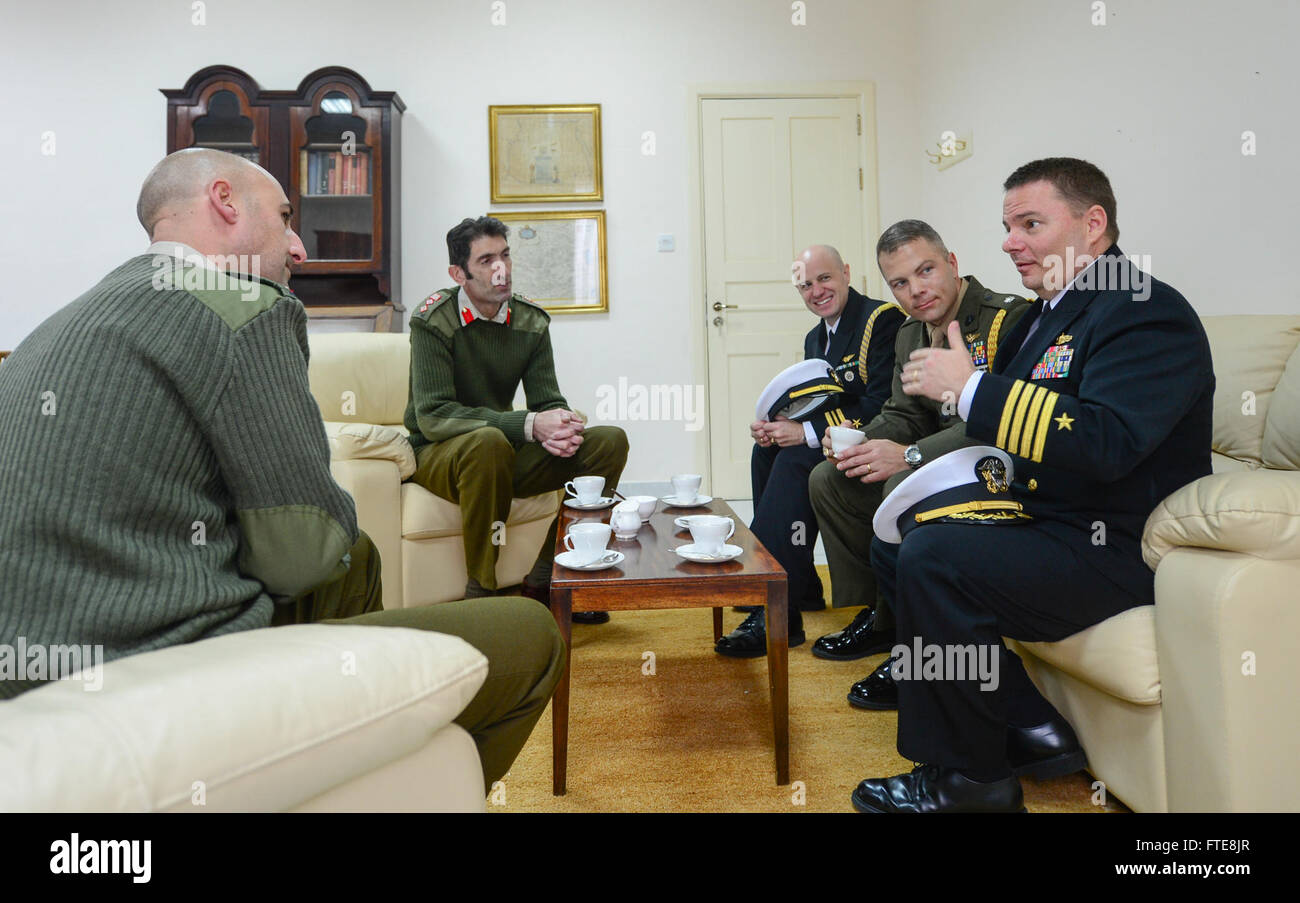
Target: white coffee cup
[(845, 437), (710, 531), (587, 490), (686, 486), (587, 541), (645, 506)]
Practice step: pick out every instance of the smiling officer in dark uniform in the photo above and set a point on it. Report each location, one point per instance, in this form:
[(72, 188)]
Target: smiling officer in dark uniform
[(856, 337)]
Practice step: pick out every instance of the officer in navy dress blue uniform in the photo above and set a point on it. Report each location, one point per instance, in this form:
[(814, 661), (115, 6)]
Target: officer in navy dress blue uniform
[(1102, 395), (855, 336)]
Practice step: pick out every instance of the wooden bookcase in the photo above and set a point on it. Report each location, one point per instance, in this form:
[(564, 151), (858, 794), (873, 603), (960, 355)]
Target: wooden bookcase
[(335, 146)]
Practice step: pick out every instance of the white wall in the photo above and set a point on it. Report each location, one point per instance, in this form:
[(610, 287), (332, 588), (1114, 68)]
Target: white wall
[(1158, 98)]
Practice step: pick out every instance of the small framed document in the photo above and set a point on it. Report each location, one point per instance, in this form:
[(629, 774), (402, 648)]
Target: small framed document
[(558, 259), (549, 153)]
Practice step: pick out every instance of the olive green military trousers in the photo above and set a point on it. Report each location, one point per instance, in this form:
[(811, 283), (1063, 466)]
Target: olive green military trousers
[(524, 649), (845, 507), (482, 472)]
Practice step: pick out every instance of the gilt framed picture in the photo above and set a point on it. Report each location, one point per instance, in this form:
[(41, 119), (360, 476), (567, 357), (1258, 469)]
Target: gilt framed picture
[(558, 258), (546, 153)]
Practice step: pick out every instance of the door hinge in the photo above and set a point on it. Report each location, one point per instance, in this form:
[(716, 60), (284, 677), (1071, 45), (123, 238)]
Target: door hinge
[(859, 178), (859, 123)]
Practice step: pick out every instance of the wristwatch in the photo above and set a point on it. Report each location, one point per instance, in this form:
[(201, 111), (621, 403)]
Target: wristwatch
[(912, 455)]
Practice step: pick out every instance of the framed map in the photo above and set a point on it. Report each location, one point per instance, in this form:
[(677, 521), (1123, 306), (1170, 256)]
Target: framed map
[(545, 153), (558, 259)]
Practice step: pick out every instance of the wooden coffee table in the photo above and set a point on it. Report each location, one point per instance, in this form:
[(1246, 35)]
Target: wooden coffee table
[(653, 576)]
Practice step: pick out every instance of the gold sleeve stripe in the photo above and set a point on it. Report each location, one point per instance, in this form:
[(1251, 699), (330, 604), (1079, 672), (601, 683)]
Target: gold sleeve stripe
[(993, 336), (1031, 420), (1044, 419), (866, 337), (1018, 419), (1007, 408)]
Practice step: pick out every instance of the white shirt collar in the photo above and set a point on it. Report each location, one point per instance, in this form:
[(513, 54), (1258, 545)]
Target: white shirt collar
[(469, 313)]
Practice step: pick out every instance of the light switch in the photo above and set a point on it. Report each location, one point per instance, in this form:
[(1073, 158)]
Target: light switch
[(667, 243)]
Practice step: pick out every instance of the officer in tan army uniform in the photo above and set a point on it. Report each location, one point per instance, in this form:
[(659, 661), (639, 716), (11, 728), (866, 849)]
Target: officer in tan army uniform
[(909, 431)]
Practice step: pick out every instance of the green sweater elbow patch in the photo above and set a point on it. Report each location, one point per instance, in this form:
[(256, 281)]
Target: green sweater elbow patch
[(290, 549)]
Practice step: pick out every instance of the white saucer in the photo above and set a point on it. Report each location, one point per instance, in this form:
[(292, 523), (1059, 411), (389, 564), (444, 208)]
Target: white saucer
[(728, 553), (700, 501), (612, 559), (602, 502), (684, 522)]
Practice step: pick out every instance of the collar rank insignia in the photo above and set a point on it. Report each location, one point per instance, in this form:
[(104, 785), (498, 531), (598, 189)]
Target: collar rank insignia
[(1055, 363)]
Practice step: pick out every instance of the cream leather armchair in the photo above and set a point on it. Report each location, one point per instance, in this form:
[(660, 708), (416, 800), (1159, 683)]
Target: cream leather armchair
[(309, 718), (1193, 704), (361, 381)]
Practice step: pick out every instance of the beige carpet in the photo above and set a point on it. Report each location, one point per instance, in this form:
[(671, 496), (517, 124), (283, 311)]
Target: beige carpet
[(696, 735)]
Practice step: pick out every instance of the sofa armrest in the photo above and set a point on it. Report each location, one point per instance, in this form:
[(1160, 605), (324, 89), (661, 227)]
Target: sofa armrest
[(368, 441), (1226, 625), (264, 719), (375, 485), (1253, 512)]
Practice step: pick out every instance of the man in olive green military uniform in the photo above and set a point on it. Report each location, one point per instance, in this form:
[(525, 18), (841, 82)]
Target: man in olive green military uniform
[(472, 347), (909, 431)]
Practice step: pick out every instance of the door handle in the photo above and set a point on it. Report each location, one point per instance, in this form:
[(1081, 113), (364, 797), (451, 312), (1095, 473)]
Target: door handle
[(718, 305)]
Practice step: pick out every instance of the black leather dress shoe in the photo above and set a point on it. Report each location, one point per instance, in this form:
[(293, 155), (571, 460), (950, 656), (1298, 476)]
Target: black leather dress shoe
[(749, 640), (877, 690), (1047, 750), (856, 641), (590, 617), (933, 788)]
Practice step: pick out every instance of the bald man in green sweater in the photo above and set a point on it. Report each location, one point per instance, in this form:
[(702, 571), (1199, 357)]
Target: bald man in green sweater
[(164, 471), (471, 348)]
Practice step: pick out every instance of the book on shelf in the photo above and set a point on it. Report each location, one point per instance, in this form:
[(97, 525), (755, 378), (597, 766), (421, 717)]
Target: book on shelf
[(336, 173)]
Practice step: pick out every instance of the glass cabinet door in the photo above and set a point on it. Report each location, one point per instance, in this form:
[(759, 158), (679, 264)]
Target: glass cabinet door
[(225, 128), (336, 180)]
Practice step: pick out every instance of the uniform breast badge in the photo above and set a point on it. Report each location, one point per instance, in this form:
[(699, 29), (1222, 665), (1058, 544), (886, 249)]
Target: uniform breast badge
[(1055, 363), (979, 351)]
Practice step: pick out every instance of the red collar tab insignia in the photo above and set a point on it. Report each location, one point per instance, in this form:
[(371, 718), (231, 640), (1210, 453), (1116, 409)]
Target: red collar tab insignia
[(507, 313), (467, 315)]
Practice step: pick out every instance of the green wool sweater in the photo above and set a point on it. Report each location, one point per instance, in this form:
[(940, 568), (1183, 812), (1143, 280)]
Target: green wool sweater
[(464, 377), (164, 472)]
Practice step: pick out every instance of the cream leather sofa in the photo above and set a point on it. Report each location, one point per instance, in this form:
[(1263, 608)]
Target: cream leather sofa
[(361, 381), (1193, 704), (307, 718)]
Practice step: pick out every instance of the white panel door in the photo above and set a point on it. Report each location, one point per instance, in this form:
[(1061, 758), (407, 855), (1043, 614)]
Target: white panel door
[(778, 174)]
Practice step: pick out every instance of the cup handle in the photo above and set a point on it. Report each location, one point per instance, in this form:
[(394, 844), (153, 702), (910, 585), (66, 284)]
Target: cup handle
[(731, 532), (568, 487), (568, 542)]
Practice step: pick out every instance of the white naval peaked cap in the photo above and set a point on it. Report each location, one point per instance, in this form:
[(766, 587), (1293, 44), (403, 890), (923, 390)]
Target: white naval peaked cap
[(799, 391), (969, 485)]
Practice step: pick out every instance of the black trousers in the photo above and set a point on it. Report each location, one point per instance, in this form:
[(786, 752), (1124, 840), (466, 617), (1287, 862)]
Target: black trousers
[(784, 521), (958, 585)]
